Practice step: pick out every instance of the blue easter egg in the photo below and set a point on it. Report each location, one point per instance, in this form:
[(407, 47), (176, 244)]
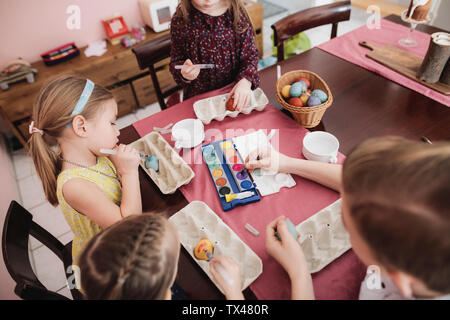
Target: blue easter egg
[(320, 94), (313, 101), (152, 163), (304, 84), (297, 89)]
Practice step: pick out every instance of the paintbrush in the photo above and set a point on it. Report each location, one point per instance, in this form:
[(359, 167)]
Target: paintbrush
[(112, 152), (200, 66)]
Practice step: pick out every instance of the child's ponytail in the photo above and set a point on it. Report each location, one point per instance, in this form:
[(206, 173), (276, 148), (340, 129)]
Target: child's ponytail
[(52, 114), (46, 163)]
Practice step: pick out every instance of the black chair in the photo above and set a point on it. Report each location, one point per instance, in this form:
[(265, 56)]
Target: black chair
[(148, 55), (18, 227), (307, 19)]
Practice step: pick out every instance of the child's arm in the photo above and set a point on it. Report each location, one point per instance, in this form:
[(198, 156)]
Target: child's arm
[(247, 78), (178, 50), (327, 174), (232, 291), (87, 198), (248, 67), (289, 254)]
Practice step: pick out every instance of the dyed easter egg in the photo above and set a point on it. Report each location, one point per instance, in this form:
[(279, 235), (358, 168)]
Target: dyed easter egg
[(304, 84), (297, 89), (320, 94), (296, 102), (313, 101), (152, 162), (285, 91), (229, 105), (308, 84), (305, 97)]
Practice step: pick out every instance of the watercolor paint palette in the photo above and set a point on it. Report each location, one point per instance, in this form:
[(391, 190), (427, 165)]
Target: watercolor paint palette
[(323, 237), (197, 221), (214, 108), (228, 174), (173, 170)]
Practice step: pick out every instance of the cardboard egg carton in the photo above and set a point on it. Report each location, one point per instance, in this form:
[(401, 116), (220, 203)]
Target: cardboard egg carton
[(197, 221), (173, 170), (323, 237), (214, 108)]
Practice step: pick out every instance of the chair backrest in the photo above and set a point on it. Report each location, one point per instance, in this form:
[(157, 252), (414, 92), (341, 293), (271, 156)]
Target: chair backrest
[(18, 226), (307, 19), (150, 53)]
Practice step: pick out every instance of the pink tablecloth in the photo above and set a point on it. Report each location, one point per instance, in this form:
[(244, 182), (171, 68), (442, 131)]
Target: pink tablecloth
[(339, 280), (347, 47)]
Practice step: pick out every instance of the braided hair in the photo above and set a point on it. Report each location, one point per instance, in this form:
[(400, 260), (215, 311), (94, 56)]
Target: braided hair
[(135, 259)]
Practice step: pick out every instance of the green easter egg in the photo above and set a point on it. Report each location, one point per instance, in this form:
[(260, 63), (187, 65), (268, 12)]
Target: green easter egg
[(320, 94)]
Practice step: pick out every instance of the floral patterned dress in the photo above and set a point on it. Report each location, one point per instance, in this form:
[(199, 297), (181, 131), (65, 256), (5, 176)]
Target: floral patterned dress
[(212, 40)]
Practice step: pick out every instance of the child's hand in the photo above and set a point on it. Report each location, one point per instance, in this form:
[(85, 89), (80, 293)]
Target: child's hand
[(288, 251), (266, 157), (233, 291), (126, 160), (241, 94), (189, 71)]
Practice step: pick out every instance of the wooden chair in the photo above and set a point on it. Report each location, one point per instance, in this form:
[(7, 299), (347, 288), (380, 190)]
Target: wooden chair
[(307, 19), (150, 53), (18, 227)]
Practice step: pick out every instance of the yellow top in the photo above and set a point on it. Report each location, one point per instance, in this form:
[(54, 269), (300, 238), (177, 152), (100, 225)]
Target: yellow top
[(82, 227)]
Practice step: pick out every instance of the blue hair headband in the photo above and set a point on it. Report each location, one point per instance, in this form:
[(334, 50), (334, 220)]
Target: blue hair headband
[(85, 95)]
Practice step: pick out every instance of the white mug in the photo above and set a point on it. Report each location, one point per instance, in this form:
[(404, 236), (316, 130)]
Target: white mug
[(320, 146)]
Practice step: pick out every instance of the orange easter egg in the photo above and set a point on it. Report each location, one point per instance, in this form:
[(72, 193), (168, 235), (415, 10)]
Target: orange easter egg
[(296, 102)]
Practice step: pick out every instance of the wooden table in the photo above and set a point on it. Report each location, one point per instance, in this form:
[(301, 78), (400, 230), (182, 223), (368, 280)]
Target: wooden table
[(365, 105)]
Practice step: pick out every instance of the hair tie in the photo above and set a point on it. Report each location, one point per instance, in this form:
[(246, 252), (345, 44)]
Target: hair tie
[(32, 129), (85, 95)]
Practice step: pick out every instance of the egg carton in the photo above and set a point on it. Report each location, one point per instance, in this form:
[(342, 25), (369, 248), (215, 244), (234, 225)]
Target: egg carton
[(323, 237), (197, 221), (214, 108), (173, 170)]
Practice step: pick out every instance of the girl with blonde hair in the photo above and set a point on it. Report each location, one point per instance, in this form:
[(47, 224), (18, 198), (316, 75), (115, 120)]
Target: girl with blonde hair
[(73, 119)]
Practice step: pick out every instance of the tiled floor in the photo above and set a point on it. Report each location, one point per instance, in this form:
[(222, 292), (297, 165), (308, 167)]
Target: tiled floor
[(47, 266)]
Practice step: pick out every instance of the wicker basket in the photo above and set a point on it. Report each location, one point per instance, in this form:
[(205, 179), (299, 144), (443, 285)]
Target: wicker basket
[(308, 117)]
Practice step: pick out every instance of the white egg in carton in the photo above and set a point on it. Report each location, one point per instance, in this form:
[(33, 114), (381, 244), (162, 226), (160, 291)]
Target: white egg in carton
[(197, 221), (173, 170), (323, 237), (214, 108)]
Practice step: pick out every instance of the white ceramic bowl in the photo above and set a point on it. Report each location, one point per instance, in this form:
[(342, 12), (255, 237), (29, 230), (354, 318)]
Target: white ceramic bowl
[(320, 146), (188, 133)]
